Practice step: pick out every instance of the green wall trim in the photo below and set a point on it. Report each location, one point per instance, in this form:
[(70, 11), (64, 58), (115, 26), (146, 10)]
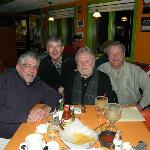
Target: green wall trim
[(89, 33), (64, 31), (111, 26), (134, 29), (51, 28)]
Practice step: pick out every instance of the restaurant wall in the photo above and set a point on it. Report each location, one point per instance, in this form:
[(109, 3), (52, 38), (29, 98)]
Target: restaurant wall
[(8, 45), (142, 39), (80, 14), (140, 48)]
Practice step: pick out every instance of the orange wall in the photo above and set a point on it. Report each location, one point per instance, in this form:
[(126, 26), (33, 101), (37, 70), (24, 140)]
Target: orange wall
[(142, 41), (81, 15), (8, 46)]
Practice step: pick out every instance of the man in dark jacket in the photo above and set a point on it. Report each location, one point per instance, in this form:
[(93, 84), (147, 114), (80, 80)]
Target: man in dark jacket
[(20, 90), (56, 68), (88, 83)]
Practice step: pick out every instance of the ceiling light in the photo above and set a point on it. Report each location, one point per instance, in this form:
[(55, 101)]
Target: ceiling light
[(51, 18), (124, 18), (96, 14)]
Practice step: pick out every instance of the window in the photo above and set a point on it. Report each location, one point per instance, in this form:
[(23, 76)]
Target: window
[(123, 29)]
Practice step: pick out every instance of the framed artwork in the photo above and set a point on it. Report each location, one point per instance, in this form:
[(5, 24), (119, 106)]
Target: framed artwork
[(145, 24), (80, 34), (146, 6), (80, 24)]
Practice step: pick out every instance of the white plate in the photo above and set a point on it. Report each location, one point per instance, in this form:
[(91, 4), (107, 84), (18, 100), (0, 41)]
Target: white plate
[(77, 127)]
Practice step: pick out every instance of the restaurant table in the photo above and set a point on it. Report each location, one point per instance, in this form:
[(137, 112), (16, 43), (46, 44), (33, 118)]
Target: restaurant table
[(131, 131)]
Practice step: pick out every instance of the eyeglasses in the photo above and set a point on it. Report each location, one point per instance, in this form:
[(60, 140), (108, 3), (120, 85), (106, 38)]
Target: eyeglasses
[(27, 66), (88, 62)]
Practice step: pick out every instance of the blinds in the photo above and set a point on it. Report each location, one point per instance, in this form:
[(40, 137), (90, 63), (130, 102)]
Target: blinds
[(112, 6)]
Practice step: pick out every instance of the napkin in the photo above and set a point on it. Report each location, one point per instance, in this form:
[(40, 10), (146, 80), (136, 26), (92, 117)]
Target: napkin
[(42, 128), (77, 110), (3, 143), (53, 145)]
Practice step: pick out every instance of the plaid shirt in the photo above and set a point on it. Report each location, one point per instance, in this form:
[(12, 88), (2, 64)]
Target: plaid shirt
[(58, 65)]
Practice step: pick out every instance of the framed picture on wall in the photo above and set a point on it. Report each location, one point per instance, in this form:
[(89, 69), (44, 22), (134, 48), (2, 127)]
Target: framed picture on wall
[(145, 24), (80, 24), (80, 34), (146, 6)]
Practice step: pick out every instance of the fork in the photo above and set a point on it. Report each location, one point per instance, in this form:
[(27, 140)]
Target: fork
[(100, 126)]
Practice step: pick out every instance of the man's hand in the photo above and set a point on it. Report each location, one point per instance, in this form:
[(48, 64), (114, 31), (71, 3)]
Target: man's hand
[(37, 114)]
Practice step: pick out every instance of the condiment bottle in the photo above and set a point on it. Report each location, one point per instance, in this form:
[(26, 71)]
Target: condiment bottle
[(66, 117), (61, 104)]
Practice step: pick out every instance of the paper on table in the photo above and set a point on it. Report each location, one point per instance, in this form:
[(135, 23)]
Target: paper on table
[(131, 114)]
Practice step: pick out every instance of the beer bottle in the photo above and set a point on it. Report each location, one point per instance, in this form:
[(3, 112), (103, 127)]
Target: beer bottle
[(61, 104)]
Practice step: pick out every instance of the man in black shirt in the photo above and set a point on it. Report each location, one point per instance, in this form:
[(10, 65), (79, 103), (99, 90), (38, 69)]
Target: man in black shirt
[(56, 68), (86, 84)]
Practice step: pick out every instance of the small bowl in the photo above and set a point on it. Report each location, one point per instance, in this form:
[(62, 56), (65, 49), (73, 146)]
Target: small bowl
[(106, 138)]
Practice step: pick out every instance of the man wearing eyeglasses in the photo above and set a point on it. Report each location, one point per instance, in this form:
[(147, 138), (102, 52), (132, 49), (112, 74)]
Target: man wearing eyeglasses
[(20, 90), (88, 83)]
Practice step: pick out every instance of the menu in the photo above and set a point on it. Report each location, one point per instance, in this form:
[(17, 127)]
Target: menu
[(131, 114)]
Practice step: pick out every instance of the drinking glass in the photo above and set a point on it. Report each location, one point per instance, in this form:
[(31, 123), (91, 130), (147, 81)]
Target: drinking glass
[(51, 131), (100, 104), (113, 114)]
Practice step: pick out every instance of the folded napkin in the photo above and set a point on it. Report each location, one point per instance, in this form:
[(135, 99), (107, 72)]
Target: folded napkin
[(3, 143), (53, 145), (42, 128)]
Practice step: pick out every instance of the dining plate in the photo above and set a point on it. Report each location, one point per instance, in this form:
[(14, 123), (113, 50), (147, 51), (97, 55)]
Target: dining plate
[(78, 130)]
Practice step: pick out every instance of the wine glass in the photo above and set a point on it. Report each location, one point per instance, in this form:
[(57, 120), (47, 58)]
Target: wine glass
[(100, 104), (113, 114)]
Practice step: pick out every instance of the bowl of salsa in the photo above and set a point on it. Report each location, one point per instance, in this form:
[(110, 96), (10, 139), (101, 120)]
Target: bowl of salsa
[(106, 138)]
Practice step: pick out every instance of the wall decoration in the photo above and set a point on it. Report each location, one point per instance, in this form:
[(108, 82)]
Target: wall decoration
[(145, 24), (80, 34), (146, 6), (80, 24)]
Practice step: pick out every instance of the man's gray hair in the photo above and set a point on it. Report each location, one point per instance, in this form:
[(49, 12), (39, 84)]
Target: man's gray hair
[(116, 43), (83, 50), (22, 59), (54, 39)]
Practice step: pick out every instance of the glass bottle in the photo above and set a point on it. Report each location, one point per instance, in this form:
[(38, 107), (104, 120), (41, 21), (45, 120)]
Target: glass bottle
[(61, 104), (66, 117)]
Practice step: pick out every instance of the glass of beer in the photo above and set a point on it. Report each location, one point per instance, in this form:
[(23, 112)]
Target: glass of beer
[(51, 131), (113, 114), (100, 105)]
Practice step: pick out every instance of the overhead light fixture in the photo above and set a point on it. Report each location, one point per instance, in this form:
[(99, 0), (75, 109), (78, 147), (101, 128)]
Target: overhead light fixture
[(124, 18), (96, 14), (51, 18)]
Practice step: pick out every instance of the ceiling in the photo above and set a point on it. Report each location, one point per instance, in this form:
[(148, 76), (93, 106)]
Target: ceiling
[(17, 6)]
